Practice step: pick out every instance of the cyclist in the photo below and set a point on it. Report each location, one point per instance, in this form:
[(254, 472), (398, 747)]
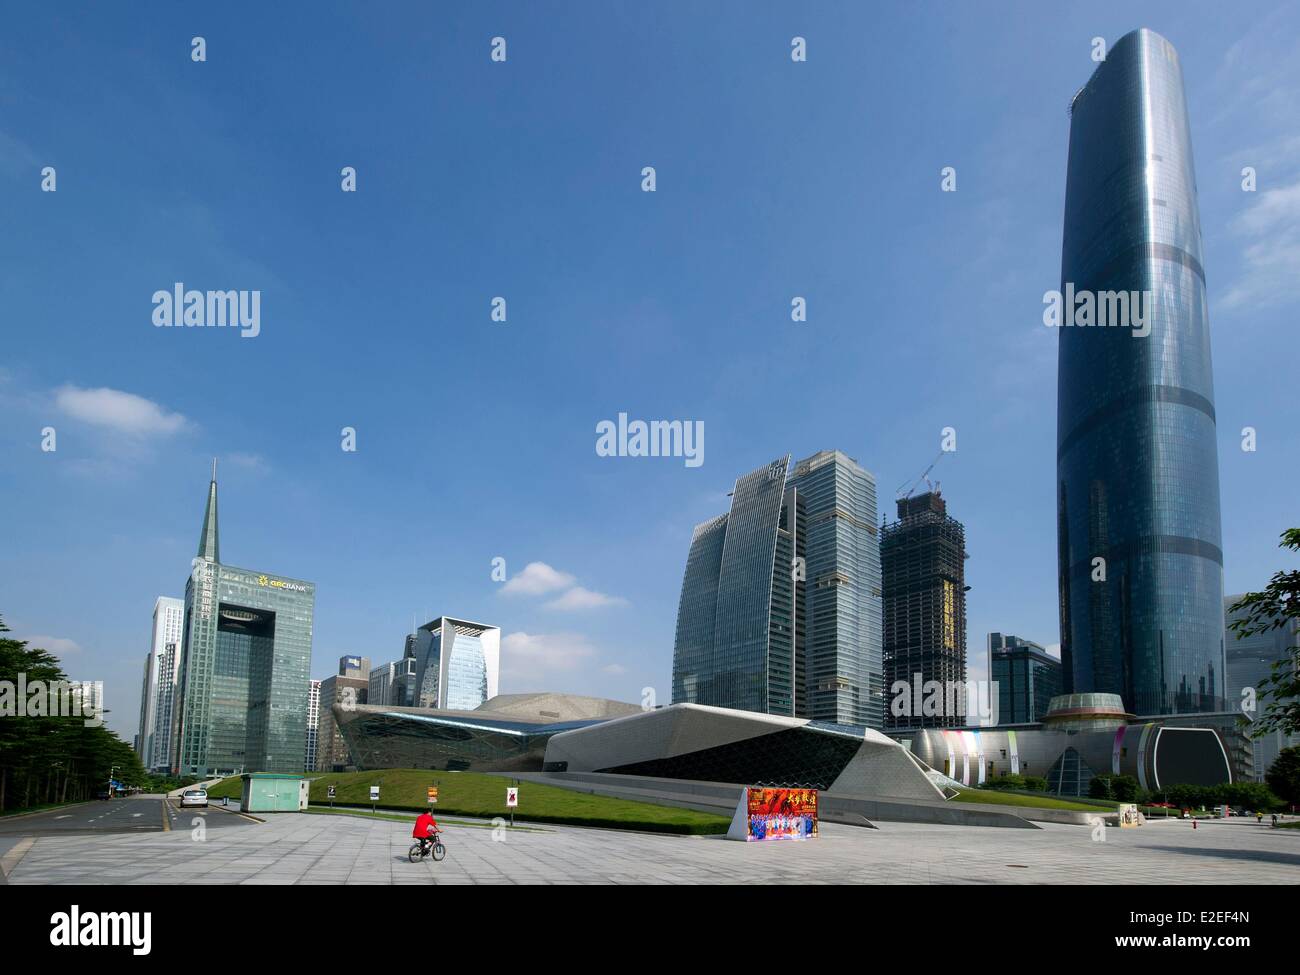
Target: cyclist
[(426, 828)]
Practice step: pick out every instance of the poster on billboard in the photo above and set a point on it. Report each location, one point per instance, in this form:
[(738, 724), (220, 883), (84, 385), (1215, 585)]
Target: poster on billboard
[(774, 814), (1129, 815)]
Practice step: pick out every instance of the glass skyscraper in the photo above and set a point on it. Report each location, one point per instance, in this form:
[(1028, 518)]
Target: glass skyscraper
[(780, 603), (246, 652), (1140, 558), (1026, 677), (457, 664), (844, 680), (741, 614)]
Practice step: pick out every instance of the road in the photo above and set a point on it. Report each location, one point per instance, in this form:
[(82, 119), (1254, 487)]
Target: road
[(131, 815), (136, 814)]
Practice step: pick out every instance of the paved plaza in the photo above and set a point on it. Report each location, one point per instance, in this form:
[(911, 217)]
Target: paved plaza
[(319, 849)]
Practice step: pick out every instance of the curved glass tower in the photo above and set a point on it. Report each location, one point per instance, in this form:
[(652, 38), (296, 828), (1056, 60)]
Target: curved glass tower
[(1140, 562)]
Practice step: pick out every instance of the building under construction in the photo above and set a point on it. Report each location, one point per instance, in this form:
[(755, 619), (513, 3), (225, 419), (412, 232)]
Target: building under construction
[(923, 563)]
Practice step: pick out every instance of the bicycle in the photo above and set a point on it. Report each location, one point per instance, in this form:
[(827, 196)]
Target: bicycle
[(419, 850)]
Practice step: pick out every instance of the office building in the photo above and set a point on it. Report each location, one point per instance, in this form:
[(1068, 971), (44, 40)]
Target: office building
[(923, 565), (337, 693), (1026, 678), (1139, 549), (456, 664), (843, 678), (354, 666), (313, 726), (1250, 660), (740, 619), (389, 682), (246, 650), (153, 743)]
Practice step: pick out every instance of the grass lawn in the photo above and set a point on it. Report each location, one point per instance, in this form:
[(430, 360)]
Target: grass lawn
[(996, 798), (480, 795)]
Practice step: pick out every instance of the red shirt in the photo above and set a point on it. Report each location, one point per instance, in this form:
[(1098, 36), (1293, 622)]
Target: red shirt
[(422, 826)]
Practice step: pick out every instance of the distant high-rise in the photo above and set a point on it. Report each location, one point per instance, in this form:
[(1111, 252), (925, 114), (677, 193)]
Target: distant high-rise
[(1140, 558), (1250, 660), (332, 752), (457, 664), (246, 649), (740, 619), (354, 666), (923, 564), (843, 673), (388, 682), (157, 696), (313, 725), (1026, 678)]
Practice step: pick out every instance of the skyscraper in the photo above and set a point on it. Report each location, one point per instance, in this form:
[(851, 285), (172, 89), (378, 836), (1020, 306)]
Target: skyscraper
[(313, 725), (457, 664), (1026, 677), (923, 565), (740, 618), (843, 673), (244, 664), (346, 689), (1140, 559), (158, 693)]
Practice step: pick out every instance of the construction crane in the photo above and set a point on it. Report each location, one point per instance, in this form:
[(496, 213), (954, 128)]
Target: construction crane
[(911, 486)]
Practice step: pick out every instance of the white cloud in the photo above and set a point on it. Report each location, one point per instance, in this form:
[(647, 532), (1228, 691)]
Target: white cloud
[(118, 411), (614, 669), (532, 655), (579, 598), (1271, 260), (536, 579), (59, 646)]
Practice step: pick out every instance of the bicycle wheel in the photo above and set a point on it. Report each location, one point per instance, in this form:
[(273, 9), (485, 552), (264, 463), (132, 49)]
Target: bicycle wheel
[(415, 853), (439, 851)]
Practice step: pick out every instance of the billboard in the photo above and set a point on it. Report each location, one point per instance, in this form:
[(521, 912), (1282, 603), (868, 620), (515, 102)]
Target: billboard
[(780, 814)]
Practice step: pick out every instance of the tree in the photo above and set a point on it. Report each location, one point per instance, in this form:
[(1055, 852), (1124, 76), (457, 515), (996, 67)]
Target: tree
[(1283, 776), (1277, 606), (54, 758), (1122, 788)]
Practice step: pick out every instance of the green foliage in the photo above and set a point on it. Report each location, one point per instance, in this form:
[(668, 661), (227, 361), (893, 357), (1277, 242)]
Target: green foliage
[(1009, 781), (1120, 788), (1277, 606), (1239, 795), (45, 760), (1016, 782), (1283, 776)]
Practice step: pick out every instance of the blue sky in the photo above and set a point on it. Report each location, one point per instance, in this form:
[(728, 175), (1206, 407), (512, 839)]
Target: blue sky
[(523, 180)]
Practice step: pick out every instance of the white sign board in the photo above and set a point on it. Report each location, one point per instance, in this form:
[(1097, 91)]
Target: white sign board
[(374, 793), (512, 798)]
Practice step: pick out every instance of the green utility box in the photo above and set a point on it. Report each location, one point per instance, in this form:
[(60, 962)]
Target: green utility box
[(272, 792)]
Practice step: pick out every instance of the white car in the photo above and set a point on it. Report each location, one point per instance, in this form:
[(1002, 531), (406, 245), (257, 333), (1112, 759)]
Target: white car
[(194, 797)]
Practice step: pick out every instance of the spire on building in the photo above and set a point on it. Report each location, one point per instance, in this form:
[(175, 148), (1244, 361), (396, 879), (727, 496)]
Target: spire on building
[(209, 546)]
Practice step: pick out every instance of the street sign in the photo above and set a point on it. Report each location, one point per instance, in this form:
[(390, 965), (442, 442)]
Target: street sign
[(330, 792), (433, 794), (512, 797)]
